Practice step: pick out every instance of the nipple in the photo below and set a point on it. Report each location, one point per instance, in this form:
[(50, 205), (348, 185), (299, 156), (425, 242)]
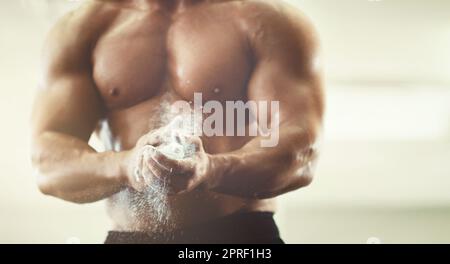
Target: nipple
[(114, 92)]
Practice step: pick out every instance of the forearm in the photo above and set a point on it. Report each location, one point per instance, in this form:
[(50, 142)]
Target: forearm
[(68, 168), (256, 172)]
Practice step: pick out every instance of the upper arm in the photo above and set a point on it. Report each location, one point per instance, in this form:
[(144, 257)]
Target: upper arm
[(67, 100), (286, 54)]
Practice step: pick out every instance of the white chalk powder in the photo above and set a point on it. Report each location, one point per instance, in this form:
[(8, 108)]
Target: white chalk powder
[(154, 203)]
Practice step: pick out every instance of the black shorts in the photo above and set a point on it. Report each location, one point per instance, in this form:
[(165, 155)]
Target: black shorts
[(239, 228)]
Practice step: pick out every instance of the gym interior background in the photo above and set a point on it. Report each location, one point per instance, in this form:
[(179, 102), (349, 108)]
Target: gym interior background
[(384, 172)]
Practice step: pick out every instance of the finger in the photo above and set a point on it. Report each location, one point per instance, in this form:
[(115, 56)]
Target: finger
[(195, 142), (157, 169), (146, 172), (185, 168), (140, 175), (167, 163), (137, 173), (177, 174), (178, 184), (152, 138)]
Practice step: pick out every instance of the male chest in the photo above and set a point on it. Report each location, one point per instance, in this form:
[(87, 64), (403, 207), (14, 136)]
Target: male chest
[(142, 57)]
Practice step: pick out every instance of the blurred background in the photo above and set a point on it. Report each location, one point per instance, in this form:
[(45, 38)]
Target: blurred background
[(384, 172)]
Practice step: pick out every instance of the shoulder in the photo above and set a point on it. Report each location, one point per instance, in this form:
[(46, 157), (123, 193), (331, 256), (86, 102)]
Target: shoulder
[(83, 24), (84, 20), (72, 37), (278, 13), (271, 21)]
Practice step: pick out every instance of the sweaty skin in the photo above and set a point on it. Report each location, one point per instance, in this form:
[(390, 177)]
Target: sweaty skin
[(108, 66)]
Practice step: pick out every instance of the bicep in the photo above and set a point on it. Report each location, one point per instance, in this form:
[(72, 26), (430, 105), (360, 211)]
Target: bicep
[(67, 104), (300, 97), (67, 100), (287, 70)]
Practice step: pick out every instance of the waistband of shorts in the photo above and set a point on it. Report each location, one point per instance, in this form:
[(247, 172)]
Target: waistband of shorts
[(242, 227)]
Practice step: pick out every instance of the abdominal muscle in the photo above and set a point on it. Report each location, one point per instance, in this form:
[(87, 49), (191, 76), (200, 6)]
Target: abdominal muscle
[(130, 211)]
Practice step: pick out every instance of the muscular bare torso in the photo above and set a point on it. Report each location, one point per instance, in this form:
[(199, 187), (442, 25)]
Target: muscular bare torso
[(143, 58)]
